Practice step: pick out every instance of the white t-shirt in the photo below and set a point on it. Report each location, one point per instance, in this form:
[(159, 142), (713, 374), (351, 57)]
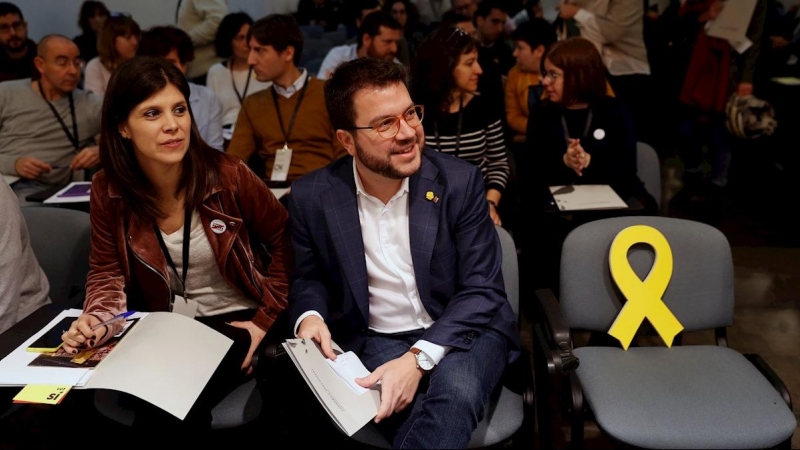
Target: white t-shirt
[(219, 80), (96, 77), (338, 55)]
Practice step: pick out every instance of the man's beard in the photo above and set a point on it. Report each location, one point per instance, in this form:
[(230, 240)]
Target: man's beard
[(383, 166)]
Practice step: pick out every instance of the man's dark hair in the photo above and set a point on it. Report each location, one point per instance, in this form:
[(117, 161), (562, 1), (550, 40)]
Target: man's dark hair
[(280, 31), (535, 32), (372, 25), (228, 29), (485, 8), (360, 5), (351, 77), (89, 9), (159, 41), (7, 8), (450, 18)]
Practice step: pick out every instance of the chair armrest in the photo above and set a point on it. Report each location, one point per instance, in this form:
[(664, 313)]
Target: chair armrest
[(556, 329), (771, 376), (267, 353)]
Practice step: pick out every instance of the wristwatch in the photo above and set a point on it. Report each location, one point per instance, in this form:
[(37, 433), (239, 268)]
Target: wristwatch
[(424, 362)]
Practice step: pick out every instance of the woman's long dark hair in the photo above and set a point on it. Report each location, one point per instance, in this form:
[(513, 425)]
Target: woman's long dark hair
[(432, 80), (134, 81)]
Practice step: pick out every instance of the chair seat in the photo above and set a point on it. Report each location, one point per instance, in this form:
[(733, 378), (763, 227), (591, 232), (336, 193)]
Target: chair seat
[(657, 397), (239, 407), (500, 422)]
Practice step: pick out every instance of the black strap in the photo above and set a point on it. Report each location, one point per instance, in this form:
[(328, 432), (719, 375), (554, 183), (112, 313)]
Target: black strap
[(286, 133), (246, 85), (187, 229), (73, 137), (177, 9), (458, 127), (585, 129)]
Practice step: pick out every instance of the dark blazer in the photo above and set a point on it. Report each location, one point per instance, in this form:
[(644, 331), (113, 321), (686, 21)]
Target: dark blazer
[(613, 157), (454, 248)]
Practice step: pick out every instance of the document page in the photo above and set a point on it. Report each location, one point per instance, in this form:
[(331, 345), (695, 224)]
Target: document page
[(349, 410), (586, 196)]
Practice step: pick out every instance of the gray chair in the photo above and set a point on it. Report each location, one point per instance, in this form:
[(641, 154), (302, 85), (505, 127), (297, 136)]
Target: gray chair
[(648, 169), (60, 239), (651, 396), (510, 414), (314, 49)]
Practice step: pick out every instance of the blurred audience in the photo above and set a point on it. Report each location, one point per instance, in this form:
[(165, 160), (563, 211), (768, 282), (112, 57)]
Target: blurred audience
[(377, 38), (118, 41), (90, 21), (16, 50), (200, 20)]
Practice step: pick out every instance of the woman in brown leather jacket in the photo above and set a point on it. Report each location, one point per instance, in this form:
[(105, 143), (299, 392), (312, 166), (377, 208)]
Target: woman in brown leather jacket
[(178, 226)]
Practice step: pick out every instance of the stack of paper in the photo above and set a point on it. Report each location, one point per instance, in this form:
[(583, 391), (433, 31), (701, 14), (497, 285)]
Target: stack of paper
[(586, 196)]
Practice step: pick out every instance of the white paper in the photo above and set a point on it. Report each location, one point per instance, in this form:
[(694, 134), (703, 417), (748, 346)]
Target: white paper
[(75, 199), (348, 410), (586, 196), (732, 23), (166, 360), (10, 179), (787, 81), (349, 367)]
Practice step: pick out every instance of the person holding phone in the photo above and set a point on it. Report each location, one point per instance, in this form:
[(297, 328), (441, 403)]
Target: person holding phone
[(178, 226)]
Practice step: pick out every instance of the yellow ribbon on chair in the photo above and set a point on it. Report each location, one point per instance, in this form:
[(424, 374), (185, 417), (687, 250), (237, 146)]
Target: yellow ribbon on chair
[(643, 297)]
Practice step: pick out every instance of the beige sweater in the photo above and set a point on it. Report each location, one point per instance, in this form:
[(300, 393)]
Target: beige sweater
[(200, 20)]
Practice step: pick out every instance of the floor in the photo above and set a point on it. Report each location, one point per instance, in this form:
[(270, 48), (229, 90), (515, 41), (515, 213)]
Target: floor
[(766, 255)]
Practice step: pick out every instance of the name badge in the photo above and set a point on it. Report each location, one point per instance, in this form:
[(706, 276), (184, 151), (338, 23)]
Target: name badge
[(184, 306), (283, 159)]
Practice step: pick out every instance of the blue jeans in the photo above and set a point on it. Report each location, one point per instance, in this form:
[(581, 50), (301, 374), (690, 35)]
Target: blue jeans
[(451, 400)]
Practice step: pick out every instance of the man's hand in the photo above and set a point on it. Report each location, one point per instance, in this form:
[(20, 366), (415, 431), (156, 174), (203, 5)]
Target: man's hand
[(31, 168), (256, 336), (399, 381), (567, 10), (86, 158), (314, 328)]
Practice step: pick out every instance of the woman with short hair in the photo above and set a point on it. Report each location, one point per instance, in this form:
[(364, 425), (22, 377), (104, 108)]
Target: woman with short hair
[(118, 41)]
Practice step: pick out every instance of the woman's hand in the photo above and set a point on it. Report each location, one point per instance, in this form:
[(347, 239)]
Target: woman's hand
[(256, 336), (576, 158), (80, 335), (493, 213)]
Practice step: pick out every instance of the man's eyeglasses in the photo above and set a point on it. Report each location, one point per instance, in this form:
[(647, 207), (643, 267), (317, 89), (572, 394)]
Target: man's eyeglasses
[(63, 63), (16, 26), (552, 76), (388, 127)]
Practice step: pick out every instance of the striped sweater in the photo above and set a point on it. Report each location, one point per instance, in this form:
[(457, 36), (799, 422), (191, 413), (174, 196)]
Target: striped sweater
[(481, 140)]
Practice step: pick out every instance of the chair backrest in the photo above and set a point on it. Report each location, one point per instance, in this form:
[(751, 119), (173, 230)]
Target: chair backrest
[(313, 49), (700, 291), (510, 268), (313, 66), (60, 239), (648, 169)]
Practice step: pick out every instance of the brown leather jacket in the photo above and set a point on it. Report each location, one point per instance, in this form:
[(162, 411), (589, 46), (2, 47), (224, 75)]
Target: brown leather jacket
[(128, 270)]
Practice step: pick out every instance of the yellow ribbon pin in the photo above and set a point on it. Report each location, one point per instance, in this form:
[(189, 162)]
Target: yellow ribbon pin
[(643, 297), (429, 195)]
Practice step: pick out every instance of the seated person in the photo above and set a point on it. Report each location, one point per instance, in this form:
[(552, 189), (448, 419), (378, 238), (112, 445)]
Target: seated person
[(377, 38), (291, 115), (48, 127), (524, 85), (16, 50), (398, 261), (118, 41), (457, 119), (174, 44), (23, 284), (577, 135), (233, 79), (156, 210)]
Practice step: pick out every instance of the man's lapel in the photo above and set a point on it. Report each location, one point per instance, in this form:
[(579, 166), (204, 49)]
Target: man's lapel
[(425, 199), (341, 214)]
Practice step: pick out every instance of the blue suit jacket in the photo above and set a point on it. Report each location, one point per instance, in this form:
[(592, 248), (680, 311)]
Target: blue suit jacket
[(454, 248)]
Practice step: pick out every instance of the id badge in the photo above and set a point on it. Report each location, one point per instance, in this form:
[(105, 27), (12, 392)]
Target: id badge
[(184, 307), (283, 158)]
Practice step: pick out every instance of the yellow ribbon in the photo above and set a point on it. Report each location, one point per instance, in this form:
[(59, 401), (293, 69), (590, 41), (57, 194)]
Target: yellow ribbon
[(643, 297)]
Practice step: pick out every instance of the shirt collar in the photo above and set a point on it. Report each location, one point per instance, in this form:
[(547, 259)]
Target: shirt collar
[(294, 87), (360, 187)]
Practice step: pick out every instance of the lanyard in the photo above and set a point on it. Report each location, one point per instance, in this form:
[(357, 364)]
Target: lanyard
[(187, 228), (458, 127), (246, 85), (294, 113), (73, 137), (585, 129)]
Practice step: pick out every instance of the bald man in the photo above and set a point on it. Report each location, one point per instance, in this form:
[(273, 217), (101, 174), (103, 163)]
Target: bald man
[(48, 127)]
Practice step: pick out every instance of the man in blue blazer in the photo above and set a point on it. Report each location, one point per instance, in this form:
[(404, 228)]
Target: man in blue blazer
[(398, 260)]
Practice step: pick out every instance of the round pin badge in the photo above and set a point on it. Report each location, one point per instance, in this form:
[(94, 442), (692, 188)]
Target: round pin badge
[(599, 134), (218, 226)]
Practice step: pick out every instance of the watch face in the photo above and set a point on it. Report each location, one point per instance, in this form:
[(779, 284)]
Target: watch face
[(424, 362)]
